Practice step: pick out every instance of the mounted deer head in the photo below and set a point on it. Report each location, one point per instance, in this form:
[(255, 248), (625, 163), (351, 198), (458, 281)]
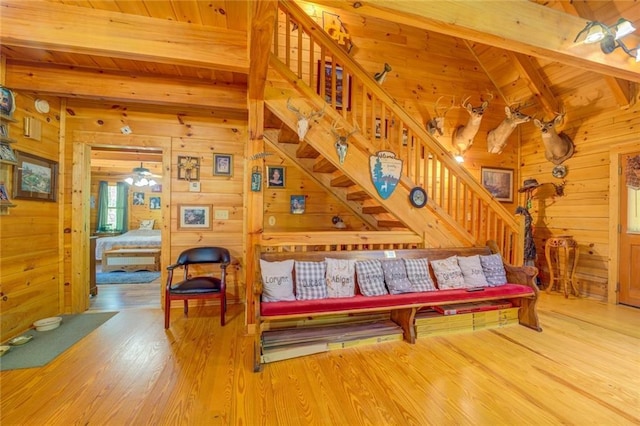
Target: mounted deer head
[(463, 136), (436, 124), (341, 144), (558, 146), (497, 138), (304, 119)]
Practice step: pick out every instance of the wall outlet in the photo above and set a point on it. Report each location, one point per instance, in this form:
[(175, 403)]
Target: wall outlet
[(221, 214)]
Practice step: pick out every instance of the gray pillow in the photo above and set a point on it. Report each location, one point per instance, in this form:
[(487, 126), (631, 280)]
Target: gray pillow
[(370, 277), (310, 280), (448, 273), (418, 274), (277, 280), (395, 275), (472, 271), (493, 269), (340, 277)]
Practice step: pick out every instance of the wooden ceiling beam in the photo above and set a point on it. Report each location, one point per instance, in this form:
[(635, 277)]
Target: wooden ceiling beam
[(81, 30), (520, 26), (121, 87)]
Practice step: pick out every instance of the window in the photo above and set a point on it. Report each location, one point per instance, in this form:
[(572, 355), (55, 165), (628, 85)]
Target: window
[(112, 207), (633, 211)]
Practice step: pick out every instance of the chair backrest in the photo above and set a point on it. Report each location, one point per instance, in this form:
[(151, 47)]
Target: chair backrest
[(204, 255)]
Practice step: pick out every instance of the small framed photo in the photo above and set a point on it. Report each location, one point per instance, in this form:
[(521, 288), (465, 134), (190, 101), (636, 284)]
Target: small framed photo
[(138, 198), (7, 102), (194, 216), (297, 204), (342, 89), (4, 195), (223, 165), (275, 176), (188, 168), (35, 178), (154, 203), (3, 131), (7, 154), (156, 188), (499, 182)]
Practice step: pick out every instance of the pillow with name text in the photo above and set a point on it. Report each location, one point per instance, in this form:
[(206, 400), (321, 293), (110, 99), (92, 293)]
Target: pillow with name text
[(395, 275), (370, 277), (493, 269), (277, 280), (472, 271), (341, 280), (448, 273), (310, 280), (418, 274)]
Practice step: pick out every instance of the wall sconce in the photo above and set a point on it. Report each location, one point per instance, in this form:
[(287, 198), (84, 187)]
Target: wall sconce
[(381, 76), (338, 223), (609, 37)]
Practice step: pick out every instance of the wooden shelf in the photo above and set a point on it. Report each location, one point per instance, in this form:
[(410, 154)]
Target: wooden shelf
[(7, 139), (7, 119), (13, 163), (4, 207)]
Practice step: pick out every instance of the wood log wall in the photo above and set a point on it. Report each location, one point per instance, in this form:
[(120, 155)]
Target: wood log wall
[(31, 279)]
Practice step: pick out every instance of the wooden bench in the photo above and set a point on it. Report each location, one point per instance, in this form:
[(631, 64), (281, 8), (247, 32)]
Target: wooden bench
[(131, 259), (521, 291)]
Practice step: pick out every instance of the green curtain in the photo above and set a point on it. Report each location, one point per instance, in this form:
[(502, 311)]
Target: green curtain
[(122, 207), (103, 205)]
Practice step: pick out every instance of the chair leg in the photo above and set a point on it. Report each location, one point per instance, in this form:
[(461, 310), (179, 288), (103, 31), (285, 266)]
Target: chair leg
[(223, 308), (167, 306), (186, 306)]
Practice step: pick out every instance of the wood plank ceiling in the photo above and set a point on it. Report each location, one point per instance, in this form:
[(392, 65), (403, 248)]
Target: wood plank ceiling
[(207, 63)]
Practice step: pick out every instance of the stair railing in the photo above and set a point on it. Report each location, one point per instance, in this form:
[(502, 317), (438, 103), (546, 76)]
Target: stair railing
[(318, 61)]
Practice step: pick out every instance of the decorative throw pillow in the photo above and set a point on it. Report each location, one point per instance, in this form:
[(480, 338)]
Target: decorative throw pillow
[(370, 277), (395, 275), (493, 269), (472, 271), (147, 225), (310, 280), (418, 274), (341, 280), (277, 281), (448, 273)]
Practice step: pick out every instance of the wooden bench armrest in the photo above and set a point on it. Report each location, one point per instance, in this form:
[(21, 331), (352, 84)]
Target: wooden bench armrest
[(521, 274)]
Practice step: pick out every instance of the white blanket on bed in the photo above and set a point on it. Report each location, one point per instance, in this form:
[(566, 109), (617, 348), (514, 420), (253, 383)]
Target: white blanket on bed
[(136, 237)]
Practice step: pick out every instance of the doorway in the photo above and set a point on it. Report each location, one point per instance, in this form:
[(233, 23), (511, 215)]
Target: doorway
[(83, 143), (629, 220)]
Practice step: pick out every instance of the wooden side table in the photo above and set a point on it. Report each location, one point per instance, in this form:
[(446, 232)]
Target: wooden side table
[(562, 257)]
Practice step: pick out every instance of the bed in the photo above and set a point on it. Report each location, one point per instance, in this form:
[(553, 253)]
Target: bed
[(135, 238)]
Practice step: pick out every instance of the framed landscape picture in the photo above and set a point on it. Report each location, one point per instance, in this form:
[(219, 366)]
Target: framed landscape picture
[(194, 216), (35, 178), (499, 182)]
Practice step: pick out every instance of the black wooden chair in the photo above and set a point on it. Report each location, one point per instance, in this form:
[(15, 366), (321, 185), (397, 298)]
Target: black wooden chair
[(201, 286)]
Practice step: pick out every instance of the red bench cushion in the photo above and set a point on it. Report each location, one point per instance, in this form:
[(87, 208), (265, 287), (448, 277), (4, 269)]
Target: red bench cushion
[(299, 307)]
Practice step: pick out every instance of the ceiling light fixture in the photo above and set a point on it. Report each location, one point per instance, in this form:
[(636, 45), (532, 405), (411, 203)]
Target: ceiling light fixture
[(609, 37), (141, 177)]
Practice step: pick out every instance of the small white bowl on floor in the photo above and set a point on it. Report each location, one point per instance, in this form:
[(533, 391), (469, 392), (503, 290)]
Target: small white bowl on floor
[(47, 324)]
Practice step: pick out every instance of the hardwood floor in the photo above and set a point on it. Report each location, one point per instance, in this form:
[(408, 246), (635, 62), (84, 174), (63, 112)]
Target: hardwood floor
[(126, 296), (584, 368)]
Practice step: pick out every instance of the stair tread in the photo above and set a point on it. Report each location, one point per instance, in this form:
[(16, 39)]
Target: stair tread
[(342, 181)]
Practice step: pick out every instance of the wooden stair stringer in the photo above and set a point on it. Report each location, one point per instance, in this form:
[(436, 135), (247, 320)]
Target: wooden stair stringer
[(322, 179), (438, 230)]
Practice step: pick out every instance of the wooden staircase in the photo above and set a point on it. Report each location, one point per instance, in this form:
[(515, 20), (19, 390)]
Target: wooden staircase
[(460, 212)]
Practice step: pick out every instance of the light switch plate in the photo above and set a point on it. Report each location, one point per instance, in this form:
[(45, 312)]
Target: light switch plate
[(221, 214)]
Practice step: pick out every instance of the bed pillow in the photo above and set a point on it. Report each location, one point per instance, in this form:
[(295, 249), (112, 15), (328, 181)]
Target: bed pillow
[(493, 269), (448, 273), (147, 225), (418, 274), (340, 277), (310, 280), (370, 277), (472, 271), (395, 275), (277, 281)]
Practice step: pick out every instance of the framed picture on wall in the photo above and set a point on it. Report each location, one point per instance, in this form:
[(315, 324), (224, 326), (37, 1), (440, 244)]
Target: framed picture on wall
[(7, 154), (7, 102), (343, 89), (223, 165), (188, 168), (154, 203), (35, 178), (138, 199), (4, 195), (194, 216), (499, 182), (297, 204), (275, 176)]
